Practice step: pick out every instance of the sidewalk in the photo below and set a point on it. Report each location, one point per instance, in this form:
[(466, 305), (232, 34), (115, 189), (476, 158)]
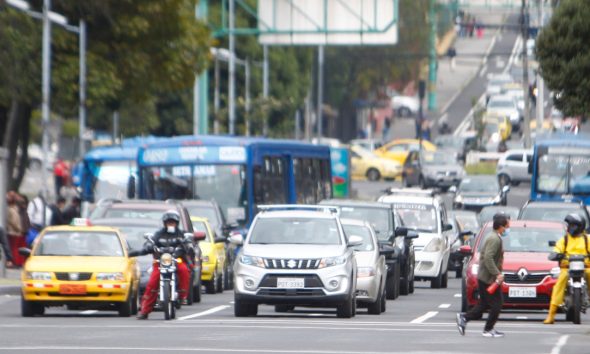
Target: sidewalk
[(9, 281), (471, 52)]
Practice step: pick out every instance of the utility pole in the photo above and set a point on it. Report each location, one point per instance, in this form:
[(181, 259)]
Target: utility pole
[(432, 66), (540, 82), (232, 69), (320, 89), (265, 87), (525, 74), (45, 93), (200, 89), (82, 88), (216, 98), (247, 101)]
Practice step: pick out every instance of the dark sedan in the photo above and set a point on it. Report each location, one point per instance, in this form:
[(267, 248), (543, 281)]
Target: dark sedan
[(478, 191)]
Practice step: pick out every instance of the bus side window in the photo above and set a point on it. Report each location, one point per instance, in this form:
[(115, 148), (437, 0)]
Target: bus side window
[(258, 185), (299, 172), (326, 180)]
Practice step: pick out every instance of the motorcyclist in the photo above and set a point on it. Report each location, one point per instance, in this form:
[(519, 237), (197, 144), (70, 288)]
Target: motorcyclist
[(575, 242), (169, 236)]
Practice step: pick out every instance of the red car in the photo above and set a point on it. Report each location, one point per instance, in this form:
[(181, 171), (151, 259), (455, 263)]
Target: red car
[(529, 276)]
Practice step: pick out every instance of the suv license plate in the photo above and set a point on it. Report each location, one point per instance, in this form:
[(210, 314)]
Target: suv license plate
[(522, 292), (290, 283)]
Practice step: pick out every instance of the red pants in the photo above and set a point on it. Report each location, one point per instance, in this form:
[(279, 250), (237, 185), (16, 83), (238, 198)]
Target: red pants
[(15, 243), (153, 286)]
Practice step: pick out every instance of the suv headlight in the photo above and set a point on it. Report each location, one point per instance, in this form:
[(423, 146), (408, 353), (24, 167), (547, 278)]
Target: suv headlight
[(118, 276), (332, 261), (364, 272), (252, 261), (555, 272), (39, 275), (435, 245), (459, 199)]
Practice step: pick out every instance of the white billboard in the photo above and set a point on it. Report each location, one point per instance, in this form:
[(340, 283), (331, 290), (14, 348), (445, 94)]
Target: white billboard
[(327, 22)]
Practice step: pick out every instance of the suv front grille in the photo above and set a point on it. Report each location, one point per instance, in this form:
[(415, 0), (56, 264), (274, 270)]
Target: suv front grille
[(66, 276), (275, 263), (310, 280), (291, 292)]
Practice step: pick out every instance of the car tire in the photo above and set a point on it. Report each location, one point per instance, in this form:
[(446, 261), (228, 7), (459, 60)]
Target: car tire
[(445, 280), (197, 291), (221, 282), (135, 303), (504, 179), (345, 309), (373, 174), (392, 284), (436, 282), (191, 289), (384, 301), (374, 308), (30, 308), (404, 285), (242, 309), (228, 283), (125, 308), (284, 308), (211, 285), (464, 306), (422, 183)]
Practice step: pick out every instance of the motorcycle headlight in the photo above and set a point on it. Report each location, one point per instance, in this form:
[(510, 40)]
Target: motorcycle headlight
[(459, 199), (252, 261), (577, 266), (474, 269), (555, 272), (435, 245), (332, 261), (364, 272), (118, 276), (166, 259), (38, 275)]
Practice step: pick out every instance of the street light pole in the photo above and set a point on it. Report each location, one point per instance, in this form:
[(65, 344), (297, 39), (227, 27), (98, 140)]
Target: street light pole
[(247, 103), (232, 69), (525, 75), (265, 87), (45, 104), (82, 103)]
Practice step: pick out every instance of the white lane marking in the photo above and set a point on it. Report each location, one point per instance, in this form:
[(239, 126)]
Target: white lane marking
[(232, 302), (560, 343), (424, 317), (185, 349), (483, 71), (444, 306), (457, 295), (489, 50), (88, 312), (514, 54), (522, 318), (442, 119), (204, 313)]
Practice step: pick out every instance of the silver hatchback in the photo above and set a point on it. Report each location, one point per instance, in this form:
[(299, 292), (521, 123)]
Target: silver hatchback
[(295, 255)]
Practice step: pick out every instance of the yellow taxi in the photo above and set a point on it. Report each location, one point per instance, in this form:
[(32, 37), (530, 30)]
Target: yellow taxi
[(366, 164), (82, 267), (214, 267), (497, 123), (399, 149), (547, 125)]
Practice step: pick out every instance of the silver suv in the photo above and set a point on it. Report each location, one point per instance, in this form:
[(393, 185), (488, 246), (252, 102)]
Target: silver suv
[(295, 255)]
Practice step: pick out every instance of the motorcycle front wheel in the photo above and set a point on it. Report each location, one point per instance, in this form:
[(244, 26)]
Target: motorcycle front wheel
[(167, 305), (577, 305)]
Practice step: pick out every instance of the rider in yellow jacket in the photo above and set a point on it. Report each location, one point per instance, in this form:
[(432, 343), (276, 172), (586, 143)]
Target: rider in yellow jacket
[(575, 241)]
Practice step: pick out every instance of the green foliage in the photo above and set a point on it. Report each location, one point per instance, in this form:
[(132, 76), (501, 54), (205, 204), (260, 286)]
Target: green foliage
[(563, 51), (481, 168)]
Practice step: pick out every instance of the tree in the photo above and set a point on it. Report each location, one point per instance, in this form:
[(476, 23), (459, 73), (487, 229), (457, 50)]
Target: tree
[(563, 51)]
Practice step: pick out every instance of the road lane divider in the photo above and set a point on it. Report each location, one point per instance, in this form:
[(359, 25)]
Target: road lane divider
[(204, 313), (560, 343), (444, 306), (424, 317)]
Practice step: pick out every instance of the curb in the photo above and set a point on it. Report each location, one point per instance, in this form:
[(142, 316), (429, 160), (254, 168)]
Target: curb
[(10, 289)]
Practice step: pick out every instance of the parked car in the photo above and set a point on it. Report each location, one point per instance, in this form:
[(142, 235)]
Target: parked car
[(214, 267), (85, 267), (513, 167), (366, 164), (506, 106), (497, 124), (426, 215), (487, 213), (529, 276), (553, 211), (516, 91), (405, 106), (432, 169), (463, 143), (370, 262), (295, 256), (385, 222), (367, 144), (399, 149), (478, 191), (465, 225)]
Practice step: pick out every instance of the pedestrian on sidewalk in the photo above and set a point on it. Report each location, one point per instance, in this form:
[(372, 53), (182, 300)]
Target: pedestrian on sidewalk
[(22, 201), (56, 211), (386, 126), (16, 238), (490, 271), (6, 248), (60, 172), (452, 53), (72, 211), (40, 216), (479, 30)]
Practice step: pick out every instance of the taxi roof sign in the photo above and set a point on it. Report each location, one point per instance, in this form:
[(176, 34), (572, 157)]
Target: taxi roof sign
[(80, 222)]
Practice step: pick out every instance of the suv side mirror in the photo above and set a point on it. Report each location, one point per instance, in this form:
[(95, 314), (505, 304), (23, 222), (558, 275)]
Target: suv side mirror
[(447, 227), (387, 251), (411, 235), (24, 251), (355, 240), (236, 239), (401, 231), (131, 187), (198, 235)]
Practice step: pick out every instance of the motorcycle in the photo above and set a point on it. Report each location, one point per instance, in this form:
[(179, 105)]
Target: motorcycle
[(576, 293), (168, 295)]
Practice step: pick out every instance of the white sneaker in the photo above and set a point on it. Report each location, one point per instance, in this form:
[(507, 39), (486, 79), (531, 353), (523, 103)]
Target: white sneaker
[(492, 334)]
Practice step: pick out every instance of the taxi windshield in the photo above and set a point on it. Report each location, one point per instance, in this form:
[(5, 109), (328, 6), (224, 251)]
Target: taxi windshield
[(80, 243), (303, 231)]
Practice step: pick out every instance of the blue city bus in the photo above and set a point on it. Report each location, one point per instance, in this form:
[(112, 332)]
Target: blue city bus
[(104, 171), (237, 172), (561, 168)]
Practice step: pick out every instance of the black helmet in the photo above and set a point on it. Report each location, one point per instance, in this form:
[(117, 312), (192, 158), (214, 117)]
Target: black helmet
[(575, 224), (171, 215)]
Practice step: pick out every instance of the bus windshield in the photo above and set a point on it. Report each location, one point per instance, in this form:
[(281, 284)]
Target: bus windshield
[(563, 174), (110, 178), (224, 183)]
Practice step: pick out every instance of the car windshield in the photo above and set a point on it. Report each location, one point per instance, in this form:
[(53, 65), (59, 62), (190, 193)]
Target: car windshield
[(499, 81), (448, 141), (438, 158), (491, 127), (487, 213), (548, 213), (204, 212), (379, 218), (110, 178), (299, 231), (468, 222), (564, 174), (131, 213), (526, 239), (364, 233), (74, 243), (134, 233), (479, 184), (501, 104), (420, 217)]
